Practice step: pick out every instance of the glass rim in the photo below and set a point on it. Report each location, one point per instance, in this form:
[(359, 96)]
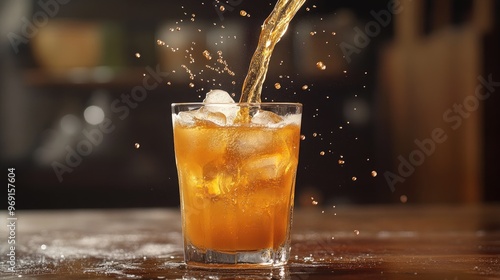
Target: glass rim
[(237, 104)]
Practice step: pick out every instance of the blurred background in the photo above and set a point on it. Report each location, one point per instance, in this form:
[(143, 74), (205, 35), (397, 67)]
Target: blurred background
[(405, 109)]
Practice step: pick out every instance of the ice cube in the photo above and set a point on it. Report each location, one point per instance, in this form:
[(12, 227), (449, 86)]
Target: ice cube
[(250, 143), (265, 167), (185, 118), (200, 116), (218, 177), (204, 114), (266, 118), (218, 96)]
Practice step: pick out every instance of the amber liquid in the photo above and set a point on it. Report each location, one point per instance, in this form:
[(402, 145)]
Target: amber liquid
[(237, 184), (273, 29)]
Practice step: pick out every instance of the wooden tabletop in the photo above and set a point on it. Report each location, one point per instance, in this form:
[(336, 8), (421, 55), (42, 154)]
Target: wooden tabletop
[(330, 242)]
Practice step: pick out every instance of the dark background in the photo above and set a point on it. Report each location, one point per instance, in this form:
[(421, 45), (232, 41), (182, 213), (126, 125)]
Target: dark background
[(117, 174)]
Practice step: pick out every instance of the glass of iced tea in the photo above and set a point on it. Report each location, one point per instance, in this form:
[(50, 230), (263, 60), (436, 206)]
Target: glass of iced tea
[(236, 181)]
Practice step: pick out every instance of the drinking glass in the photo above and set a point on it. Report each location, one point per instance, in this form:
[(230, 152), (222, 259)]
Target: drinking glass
[(236, 181)]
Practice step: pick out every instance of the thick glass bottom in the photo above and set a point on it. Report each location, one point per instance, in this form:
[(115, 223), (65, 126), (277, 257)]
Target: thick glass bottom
[(233, 260)]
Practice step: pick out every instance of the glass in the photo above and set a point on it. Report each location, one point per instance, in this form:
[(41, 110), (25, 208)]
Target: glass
[(236, 181)]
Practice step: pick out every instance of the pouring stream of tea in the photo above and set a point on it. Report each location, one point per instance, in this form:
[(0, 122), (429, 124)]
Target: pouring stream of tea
[(273, 29)]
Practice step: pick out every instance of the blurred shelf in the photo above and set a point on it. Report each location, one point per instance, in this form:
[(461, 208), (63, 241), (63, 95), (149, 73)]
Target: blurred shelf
[(97, 77)]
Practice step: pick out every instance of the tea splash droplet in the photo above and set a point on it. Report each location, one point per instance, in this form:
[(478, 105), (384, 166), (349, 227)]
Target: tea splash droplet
[(320, 65)]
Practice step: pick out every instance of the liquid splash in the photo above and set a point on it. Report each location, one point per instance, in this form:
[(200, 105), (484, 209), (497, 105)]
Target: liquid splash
[(273, 29)]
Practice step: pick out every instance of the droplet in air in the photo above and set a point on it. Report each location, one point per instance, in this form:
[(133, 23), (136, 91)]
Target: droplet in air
[(354, 178), (243, 13), (403, 198), (320, 65), (138, 55), (374, 173), (341, 161), (302, 137), (315, 134), (137, 145), (207, 55), (304, 87), (43, 247), (314, 202), (277, 85), (322, 153), (356, 232), (191, 85)]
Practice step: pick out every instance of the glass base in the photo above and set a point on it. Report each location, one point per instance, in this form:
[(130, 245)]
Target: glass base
[(233, 260)]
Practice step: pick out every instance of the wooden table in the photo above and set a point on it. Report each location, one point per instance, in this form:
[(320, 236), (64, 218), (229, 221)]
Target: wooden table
[(342, 242)]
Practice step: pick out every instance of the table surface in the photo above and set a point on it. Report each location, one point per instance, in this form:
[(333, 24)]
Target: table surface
[(342, 242)]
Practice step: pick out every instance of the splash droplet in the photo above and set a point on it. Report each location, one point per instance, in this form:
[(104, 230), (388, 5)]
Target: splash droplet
[(320, 65), (354, 178), (277, 85), (322, 153), (403, 198), (243, 13), (207, 55), (356, 232), (341, 161), (302, 137), (374, 173), (137, 145), (138, 55), (304, 87)]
